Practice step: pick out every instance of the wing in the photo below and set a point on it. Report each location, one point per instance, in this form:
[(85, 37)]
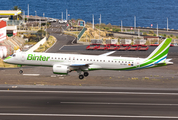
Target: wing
[(80, 65), (108, 53)]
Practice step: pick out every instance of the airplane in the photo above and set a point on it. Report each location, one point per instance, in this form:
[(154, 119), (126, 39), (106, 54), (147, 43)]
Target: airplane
[(65, 63)]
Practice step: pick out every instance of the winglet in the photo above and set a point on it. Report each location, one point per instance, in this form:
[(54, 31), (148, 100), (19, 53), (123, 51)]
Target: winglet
[(108, 53)]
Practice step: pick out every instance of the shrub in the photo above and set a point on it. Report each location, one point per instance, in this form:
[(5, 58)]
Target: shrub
[(151, 32), (164, 35), (154, 34), (172, 35), (145, 33), (118, 30), (107, 28)]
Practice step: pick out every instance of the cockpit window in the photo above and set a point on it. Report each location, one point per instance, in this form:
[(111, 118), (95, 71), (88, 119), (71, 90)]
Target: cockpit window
[(13, 55)]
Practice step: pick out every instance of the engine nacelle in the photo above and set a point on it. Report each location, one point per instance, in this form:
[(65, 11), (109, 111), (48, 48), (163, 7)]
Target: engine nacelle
[(60, 69)]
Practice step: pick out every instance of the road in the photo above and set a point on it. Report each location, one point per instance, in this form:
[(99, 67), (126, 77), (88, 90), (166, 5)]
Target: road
[(56, 30), (66, 103)]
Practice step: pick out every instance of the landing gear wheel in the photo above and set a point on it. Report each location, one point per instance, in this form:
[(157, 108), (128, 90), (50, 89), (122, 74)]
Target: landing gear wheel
[(81, 76), (21, 71), (86, 74)]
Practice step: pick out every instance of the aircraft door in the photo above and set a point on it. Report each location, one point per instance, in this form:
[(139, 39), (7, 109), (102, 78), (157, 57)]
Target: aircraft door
[(137, 63), (69, 60), (23, 56)]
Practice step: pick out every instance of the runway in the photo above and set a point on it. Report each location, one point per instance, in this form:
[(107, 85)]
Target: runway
[(66, 103)]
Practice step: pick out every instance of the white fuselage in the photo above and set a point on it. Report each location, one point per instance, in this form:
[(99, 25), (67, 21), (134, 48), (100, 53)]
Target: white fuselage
[(95, 61)]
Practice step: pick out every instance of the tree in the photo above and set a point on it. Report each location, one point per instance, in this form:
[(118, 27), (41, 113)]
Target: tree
[(17, 8)]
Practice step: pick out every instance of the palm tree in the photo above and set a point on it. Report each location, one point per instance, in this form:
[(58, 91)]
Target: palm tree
[(17, 8)]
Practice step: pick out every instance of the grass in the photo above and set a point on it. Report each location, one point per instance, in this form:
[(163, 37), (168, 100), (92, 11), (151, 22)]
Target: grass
[(91, 33), (46, 45)]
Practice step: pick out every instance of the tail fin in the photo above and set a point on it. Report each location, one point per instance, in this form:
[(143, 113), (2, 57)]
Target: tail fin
[(161, 52)]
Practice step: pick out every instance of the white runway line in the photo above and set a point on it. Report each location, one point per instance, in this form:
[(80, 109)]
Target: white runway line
[(102, 103), (82, 115), (31, 74), (89, 92)]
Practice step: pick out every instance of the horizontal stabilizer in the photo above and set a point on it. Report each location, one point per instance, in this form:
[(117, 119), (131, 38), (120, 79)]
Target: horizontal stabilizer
[(108, 53)]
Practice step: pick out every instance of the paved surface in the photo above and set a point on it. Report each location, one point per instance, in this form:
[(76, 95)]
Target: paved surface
[(79, 48), (70, 103), (62, 39), (87, 103)]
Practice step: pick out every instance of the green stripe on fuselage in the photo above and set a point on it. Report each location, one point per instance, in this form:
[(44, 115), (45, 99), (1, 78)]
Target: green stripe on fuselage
[(156, 58)]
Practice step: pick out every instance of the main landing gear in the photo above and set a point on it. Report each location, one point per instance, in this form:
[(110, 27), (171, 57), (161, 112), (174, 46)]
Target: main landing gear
[(85, 74)]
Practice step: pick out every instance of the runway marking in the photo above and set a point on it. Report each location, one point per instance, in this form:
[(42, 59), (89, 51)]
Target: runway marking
[(31, 74), (102, 103), (85, 115), (89, 92)]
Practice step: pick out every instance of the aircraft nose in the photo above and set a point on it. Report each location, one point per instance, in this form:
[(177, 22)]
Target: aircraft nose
[(6, 59)]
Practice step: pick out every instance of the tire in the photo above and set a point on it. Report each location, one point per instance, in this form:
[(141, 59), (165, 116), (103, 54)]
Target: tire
[(81, 76), (86, 74), (21, 71)]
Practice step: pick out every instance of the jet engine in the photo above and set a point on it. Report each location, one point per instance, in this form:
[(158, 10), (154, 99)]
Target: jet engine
[(60, 69)]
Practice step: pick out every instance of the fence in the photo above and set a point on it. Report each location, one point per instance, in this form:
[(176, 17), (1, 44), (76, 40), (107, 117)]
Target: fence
[(14, 22)]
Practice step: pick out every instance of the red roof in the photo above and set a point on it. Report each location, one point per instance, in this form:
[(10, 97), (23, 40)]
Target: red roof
[(2, 24)]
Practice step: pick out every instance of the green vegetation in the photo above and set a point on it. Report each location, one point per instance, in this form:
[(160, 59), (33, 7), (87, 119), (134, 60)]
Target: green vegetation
[(172, 35), (116, 29), (151, 32), (18, 16), (145, 33), (51, 40)]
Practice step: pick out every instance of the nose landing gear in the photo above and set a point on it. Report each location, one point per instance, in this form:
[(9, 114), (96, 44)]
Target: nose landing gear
[(20, 71)]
